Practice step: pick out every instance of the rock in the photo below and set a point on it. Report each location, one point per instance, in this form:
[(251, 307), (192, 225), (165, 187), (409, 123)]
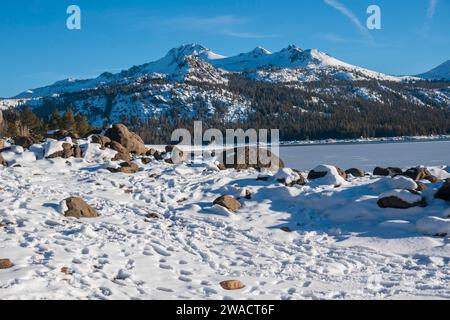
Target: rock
[(221, 166), (431, 178), (228, 202), (62, 134), (314, 174), (357, 173), (289, 177), (152, 216), (390, 171), (2, 144), (3, 161), (154, 153), (125, 167), (286, 229), (66, 153), (66, 271), (78, 208), (6, 264), (232, 285), (130, 140), (122, 153), (103, 141), (421, 186), (242, 158), (401, 199), (24, 142), (417, 174), (77, 151), (146, 160), (178, 156), (444, 191)]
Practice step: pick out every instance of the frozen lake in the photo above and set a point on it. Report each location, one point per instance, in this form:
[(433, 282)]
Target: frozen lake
[(368, 156)]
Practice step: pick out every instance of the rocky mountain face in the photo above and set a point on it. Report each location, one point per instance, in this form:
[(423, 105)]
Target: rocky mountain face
[(259, 86)]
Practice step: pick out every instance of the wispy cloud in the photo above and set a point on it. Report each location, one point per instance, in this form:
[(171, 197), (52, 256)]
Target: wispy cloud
[(432, 4), (204, 22), (431, 11), (248, 35), (352, 17), (228, 25), (338, 39)]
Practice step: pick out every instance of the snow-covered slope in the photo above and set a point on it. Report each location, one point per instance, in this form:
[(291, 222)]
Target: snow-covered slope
[(440, 72)]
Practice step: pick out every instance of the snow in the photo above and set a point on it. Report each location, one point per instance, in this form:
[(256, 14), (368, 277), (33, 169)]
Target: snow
[(331, 178), (342, 245), (52, 146), (434, 226), (287, 175)]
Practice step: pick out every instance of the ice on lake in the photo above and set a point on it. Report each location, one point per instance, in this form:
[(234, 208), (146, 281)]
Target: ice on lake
[(369, 155)]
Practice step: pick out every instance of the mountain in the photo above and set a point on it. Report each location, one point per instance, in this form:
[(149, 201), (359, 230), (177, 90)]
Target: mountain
[(441, 72), (194, 62), (306, 93)]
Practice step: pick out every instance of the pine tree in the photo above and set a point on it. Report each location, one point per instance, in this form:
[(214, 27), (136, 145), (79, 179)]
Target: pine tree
[(68, 121), (55, 120), (82, 125)]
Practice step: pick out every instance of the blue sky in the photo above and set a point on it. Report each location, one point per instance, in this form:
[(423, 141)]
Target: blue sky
[(37, 49)]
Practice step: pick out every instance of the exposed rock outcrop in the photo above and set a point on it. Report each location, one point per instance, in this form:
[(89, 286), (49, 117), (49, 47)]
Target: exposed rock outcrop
[(130, 140)]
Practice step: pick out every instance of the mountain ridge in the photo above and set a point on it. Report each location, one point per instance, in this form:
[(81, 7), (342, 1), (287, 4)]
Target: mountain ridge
[(178, 65)]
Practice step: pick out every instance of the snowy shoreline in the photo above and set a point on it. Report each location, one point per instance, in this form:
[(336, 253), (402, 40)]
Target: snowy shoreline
[(161, 233)]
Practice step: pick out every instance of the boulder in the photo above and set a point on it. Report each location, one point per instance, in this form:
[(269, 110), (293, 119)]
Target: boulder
[(78, 208), (154, 153), (3, 161), (130, 140), (289, 177), (66, 153), (390, 171), (177, 156), (24, 142), (357, 173), (432, 179), (77, 151), (242, 158), (228, 202), (315, 174), (444, 191), (417, 174), (2, 144), (125, 167), (401, 199), (421, 186), (146, 160), (232, 285), (6, 264), (122, 153), (103, 141)]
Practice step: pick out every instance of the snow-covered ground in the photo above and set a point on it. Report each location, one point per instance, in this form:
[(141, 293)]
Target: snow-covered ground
[(342, 245)]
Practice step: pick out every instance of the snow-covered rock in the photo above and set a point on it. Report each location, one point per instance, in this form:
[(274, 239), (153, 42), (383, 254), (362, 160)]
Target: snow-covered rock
[(434, 226)]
